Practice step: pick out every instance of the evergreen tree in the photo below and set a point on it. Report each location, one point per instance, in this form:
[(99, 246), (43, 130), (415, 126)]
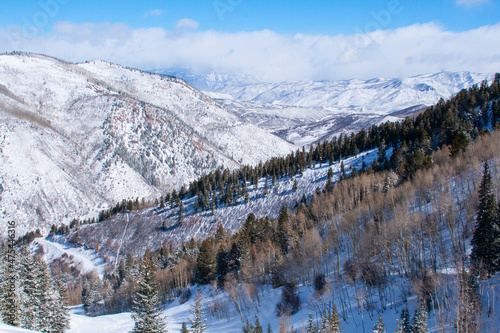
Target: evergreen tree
[(379, 326), (146, 309), (404, 325), (334, 320), (10, 310), (419, 324), (269, 329), (181, 213), (266, 188), (205, 262), (197, 323), (222, 267), (31, 293), (486, 239), (258, 326), (282, 230), (62, 322), (295, 186), (342, 171), (311, 326), (91, 295), (184, 328)]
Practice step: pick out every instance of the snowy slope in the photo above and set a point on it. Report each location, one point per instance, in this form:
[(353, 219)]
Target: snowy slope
[(76, 138), (143, 229), (310, 111), (11, 329)]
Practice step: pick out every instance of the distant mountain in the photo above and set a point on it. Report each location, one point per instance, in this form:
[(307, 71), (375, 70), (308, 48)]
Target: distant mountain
[(76, 138), (305, 112)]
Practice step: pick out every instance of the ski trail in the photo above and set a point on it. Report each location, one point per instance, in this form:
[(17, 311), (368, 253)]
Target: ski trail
[(121, 241)]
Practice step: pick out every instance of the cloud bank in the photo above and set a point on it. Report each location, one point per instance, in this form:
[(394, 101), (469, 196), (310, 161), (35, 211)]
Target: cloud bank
[(267, 55)]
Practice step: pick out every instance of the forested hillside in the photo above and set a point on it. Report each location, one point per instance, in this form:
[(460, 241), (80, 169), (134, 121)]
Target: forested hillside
[(390, 224), (390, 231)]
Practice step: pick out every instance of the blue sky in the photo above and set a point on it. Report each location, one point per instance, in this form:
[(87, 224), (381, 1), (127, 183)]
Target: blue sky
[(283, 16), (228, 34)]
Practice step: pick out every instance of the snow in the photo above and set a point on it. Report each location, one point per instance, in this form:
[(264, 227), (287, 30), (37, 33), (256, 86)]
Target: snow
[(11, 329), (306, 112), (85, 260), (78, 138)]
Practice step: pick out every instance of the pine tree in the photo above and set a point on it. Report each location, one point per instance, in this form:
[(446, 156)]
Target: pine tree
[(181, 213), (269, 329), (197, 323), (379, 326), (51, 316), (404, 325), (10, 308), (334, 320), (184, 328), (419, 324), (146, 309), (222, 267), (91, 295), (205, 262), (342, 171), (31, 295), (282, 232), (295, 186), (258, 327), (311, 327), (62, 322), (485, 241)]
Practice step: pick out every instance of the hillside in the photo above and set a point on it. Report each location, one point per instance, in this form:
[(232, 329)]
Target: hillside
[(77, 138)]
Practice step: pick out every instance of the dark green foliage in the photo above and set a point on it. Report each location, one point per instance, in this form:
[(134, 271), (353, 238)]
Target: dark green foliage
[(146, 309), (486, 239), (453, 122), (290, 301), (404, 325), (222, 267), (206, 262), (181, 213), (282, 230)]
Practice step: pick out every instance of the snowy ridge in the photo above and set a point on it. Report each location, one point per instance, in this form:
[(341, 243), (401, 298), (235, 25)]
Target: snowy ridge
[(77, 138), (306, 112)]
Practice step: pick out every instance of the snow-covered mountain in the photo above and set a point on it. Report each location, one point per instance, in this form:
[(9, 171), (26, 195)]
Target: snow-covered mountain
[(75, 138), (305, 112)]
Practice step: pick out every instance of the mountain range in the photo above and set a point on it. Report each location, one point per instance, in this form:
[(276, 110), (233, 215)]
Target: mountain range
[(307, 112), (77, 138)]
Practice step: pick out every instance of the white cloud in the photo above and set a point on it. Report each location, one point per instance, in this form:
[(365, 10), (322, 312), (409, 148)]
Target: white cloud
[(470, 2), (155, 12), (187, 24), (417, 49)]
